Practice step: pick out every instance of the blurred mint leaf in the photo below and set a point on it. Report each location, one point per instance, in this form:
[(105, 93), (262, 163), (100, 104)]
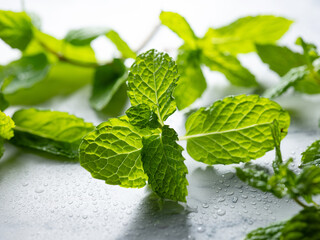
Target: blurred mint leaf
[(180, 26), (6, 126), (235, 129), (24, 73), (241, 35), (230, 66), (311, 156), (152, 79), (55, 132), (121, 45), (192, 82), (164, 164), (84, 36), (3, 102), (113, 153), (280, 59), (142, 116), (15, 29), (272, 232), (107, 81)]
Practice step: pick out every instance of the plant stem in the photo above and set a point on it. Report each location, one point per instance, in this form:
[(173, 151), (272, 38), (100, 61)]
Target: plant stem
[(149, 37), (63, 58), (299, 202)]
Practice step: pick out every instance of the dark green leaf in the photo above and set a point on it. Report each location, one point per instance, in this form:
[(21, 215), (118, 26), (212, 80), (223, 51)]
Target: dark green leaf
[(24, 73), (107, 81), (276, 135), (164, 164), (272, 232), (142, 116), (15, 29), (280, 59), (311, 156), (55, 132)]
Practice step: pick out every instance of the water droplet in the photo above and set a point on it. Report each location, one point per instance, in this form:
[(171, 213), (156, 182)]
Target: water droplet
[(25, 184), (235, 199), (221, 212), (39, 190), (85, 216), (201, 229), (205, 205)]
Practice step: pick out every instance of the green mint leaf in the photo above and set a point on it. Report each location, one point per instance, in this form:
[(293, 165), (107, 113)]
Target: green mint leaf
[(164, 164), (311, 156), (192, 82), (235, 129), (230, 66), (6, 126), (55, 132), (276, 135), (152, 79), (121, 45), (142, 116), (310, 84), (24, 73), (84, 36), (15, 29), (272, 232), (107, 81), (308, 183), (113, 153), (3, 102), (62, 79), (305, 225), (309, 50), (294, 76), (280, 59), (241, 35), (180, 26)]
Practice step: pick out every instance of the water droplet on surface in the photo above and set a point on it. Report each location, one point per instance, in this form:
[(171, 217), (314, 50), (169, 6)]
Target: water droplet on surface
[(39, 190), (201, 229), (235, 199), (205, 205), (25, 184), (221, 212)]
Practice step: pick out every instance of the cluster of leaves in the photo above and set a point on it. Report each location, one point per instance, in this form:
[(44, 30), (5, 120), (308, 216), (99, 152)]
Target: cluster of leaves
[(139, 147), (283, 182), (218, 50), (301, 71), (50, 67)]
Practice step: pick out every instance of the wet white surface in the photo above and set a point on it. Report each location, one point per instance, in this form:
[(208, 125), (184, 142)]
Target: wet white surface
[(44, 197)]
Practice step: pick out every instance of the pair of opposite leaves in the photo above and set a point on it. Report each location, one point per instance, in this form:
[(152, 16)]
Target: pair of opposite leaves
[(136, 148)]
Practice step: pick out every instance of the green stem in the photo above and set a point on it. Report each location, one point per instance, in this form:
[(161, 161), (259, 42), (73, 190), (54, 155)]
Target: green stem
[(299, 202)]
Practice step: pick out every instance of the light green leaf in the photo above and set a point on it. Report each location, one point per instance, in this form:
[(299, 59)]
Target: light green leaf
[(305, 225), (151, 81), (15, 29), (280, 59), (163, 163), (142, 116), (6, 126), (62, 79), (51, 131), (241, 35), (272, 232), (84, 36), (311, 156), (276, 135), (113, 153), (121, 45), (230, 66), (191, 83), (309, 50), (24, 73), (235, 129), (180, 26), (308, 183), (107, 81), (290, 79)]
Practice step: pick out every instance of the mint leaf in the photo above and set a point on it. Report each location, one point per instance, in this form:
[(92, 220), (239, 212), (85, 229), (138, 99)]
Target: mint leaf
[(6, 126), (180, 26), (305, 225), (151, 81), (311, 156), (230, 66), (15, 29), (233, 130), (280, 59), (142, 116), (290, 79), (3, 102), (309, 50), (107, 81), (84, 36), (163, 163), (121, 45), (241, 35), (51, 131), (272, 232), (113, 153), (24, 73), (191, 83)]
